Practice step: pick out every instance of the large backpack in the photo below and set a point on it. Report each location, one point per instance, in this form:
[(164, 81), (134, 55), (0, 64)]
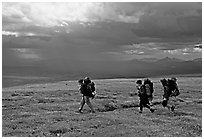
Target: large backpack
[(142, 91), (171, 84), (149, 87), (173, 88), (92, 86), (164, 82), (152, 87)]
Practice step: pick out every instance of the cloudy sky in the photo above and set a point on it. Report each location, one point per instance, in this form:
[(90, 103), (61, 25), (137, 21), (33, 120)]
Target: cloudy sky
[(67, 33)]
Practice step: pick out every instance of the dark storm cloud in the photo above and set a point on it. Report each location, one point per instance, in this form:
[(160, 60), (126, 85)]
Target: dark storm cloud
[(102, 36), (171, 20), (97, 31)]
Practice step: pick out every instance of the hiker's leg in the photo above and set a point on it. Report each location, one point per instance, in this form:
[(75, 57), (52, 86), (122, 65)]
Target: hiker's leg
[(82, 103), (150, 98), (147, 105), (87, 101), (171, 105), (141, 105), (165, 102), (168, 105)]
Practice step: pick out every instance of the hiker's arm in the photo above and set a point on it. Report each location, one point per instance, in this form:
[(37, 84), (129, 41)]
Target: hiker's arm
[(176, 87)]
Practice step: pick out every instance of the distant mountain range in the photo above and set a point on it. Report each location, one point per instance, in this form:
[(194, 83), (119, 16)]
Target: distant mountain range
[(165, 66), (121, 69)]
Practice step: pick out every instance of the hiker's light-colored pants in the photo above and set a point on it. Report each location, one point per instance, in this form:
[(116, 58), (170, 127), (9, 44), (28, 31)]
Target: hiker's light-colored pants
[(86, 99)]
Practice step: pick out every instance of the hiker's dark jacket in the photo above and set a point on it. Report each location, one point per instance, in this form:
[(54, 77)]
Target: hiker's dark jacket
[(85, 90), (143, 96)]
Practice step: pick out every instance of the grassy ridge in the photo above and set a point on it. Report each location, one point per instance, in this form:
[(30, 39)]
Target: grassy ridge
[(49, 110)]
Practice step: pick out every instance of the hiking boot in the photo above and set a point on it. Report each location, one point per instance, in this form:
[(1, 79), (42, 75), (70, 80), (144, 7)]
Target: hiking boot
[(172, 108), (79, 111)]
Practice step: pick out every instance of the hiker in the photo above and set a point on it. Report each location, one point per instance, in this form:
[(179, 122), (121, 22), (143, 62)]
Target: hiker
[(87, 94), (144, 102), (170, 90), (149, 90)]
